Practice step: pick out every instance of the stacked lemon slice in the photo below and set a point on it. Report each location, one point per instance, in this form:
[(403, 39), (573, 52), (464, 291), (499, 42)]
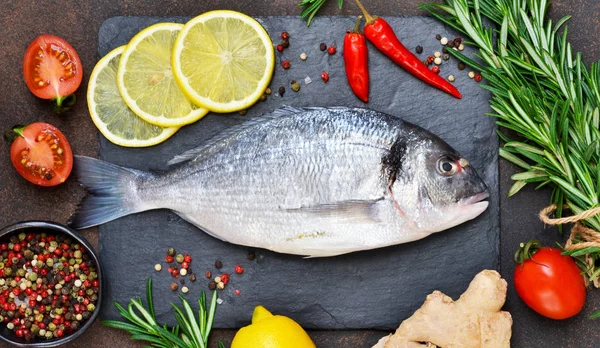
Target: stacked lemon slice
[(170, 75)]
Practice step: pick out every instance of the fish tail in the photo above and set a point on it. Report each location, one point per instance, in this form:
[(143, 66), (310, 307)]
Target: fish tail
[(112, 192)]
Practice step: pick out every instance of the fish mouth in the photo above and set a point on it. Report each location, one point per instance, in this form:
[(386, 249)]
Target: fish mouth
[(474, 199)]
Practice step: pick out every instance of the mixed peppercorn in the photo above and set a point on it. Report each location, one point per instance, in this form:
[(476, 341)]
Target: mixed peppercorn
[(48, 285)]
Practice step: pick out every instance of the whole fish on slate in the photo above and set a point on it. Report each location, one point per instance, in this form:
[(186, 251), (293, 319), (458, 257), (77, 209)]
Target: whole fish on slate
[(311, 181)]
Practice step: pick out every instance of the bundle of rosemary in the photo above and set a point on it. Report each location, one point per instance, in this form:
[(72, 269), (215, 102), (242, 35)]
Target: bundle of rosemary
[(190, 333), (544, 94), (311, 7)]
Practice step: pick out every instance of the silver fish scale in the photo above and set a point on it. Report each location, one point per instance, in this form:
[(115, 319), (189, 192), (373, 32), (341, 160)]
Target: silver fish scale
[(261, 178)]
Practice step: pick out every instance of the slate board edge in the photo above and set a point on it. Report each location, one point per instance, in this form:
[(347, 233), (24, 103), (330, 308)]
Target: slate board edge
[(495, 193)]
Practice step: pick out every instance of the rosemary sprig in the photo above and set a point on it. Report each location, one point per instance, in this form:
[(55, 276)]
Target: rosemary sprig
[(190, 333), (542, 91), (311, 7)]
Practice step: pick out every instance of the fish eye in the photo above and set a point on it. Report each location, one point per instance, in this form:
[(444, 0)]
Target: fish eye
[(446, 166)]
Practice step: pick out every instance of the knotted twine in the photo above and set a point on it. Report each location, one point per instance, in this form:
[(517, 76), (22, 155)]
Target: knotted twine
[(581, 236)]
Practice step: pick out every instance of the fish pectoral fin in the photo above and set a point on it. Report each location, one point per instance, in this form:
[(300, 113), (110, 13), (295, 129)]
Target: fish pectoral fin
[(353, 211)]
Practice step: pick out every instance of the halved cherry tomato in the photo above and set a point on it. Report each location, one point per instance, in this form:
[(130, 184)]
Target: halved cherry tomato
[(53, 70), (42, 154), (549, 282)]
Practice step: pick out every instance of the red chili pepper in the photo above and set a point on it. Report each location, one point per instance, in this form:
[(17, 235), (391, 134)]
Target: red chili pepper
[(356, 61), (382, 36)]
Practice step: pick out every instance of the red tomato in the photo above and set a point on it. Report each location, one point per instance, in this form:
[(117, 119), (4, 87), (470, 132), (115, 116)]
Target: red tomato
[(52, 70), (551, 284), (42, 154)]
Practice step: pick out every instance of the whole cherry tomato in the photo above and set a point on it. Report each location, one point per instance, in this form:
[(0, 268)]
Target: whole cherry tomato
[(549, 282)]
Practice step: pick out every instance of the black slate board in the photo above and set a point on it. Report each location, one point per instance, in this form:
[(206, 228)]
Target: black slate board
[(369, 289)]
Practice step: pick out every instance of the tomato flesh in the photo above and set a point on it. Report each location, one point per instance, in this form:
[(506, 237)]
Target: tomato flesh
[(551, 284), (51, 67), (42, 154)]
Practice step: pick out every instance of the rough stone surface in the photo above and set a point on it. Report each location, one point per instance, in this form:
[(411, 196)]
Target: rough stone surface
[(364, 290)]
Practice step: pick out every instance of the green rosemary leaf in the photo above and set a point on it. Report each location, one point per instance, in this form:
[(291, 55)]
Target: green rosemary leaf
[(514, 159), (581, 252), (132, 329), (152, 339), (178, 342), (516, 187), (149, 299), (195, 330), (340, 4), (138, 305), (220, 345), (211, 312), (524, 176)]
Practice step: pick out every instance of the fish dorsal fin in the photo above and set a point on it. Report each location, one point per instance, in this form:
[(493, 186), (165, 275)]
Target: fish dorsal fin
[(197, 153)]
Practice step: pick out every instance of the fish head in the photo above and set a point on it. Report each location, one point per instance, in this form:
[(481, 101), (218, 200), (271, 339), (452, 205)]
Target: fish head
[(434, 187)]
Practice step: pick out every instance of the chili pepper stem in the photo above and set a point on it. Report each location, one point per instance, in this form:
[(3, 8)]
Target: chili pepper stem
[(370, 19), (356, 26)]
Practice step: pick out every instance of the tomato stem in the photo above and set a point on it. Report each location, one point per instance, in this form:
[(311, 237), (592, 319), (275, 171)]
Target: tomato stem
[(62, 104), (526, 251), (11, 134)]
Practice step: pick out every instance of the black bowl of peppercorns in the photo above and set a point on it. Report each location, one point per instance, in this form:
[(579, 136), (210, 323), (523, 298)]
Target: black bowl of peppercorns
[(50, 284)]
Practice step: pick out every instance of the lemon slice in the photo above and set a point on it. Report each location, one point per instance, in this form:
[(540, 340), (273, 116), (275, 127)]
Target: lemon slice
[(146, 82), (223, 60), (110, 113)]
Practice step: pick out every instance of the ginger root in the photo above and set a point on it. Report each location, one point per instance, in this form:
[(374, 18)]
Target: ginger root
[(474, 320)]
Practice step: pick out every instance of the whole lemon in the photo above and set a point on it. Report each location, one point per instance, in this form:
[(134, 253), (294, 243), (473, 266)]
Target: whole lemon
[(271, 331)]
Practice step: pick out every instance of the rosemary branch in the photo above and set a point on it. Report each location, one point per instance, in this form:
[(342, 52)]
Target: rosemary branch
[(311, 7), (542, 91), (189, 333)]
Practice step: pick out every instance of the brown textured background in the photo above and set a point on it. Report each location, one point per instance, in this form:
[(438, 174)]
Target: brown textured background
[(78, 22)]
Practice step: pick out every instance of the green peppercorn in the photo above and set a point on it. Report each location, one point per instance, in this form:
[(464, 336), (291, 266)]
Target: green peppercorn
[(295, 86), (91, 307), (22, 236), (49, 262), (77, 254), (51, 326), (171, 252), (7, 272), (21, 272), (179, 258), (71, 262), (33, 276)]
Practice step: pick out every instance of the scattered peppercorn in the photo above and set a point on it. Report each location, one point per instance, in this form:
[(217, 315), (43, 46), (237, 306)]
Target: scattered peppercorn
[(280, 48), (322, 46), (461, 47), (471, 74), (185, 289), (187, 258), (171, 252), (225, 278), (437, 54), (443, 41), (174, 286), (285, 43), (438, 37), (212, 285), (237, 292), (419, 49), (175, 273), (444, 50), (251, 256), (331, 50), (281, 92), (239, 269), (430, 59), (263, 97), (324, 76), (478, 77), (218, 263), (461, 66), (303, 56), (285, 35), (268, 91), (450, 43), (183, 272), (451, 78), (286, 64), (437, 61), (193, 277), (220, 286), (179, 258), (435, 69), (295, 86), (182, 281), (446, 56), (169, 258), (457, 41), (208, 274)]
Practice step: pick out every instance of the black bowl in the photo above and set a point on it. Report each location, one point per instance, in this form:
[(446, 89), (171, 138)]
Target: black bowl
[(9, 336)]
